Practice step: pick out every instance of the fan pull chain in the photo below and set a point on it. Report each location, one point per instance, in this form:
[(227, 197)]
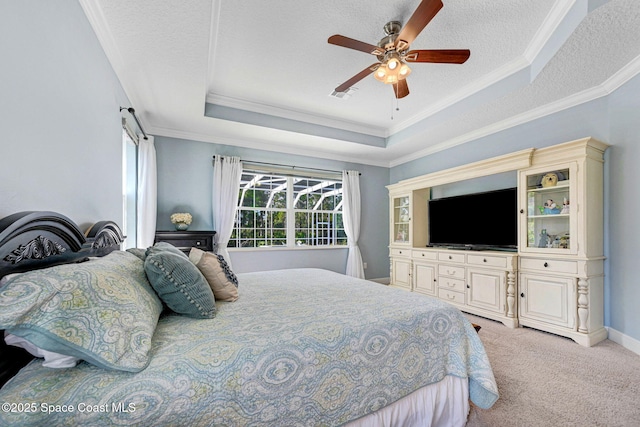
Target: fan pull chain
[(397, 102)]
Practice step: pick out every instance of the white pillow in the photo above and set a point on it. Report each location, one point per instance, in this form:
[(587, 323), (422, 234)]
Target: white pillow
[(51, 359), (6, 278)]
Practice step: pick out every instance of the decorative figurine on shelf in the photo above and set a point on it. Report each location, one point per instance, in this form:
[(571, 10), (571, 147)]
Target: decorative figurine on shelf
[(404, 215), (544, 239), (181, 220), (565, 206), (550, 207), (549, 180), (564, 241), (551, 241), (561, 241)]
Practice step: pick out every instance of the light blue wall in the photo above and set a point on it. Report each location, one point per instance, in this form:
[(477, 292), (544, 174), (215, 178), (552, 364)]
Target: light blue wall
[(185, 174), (623, 194), (60, 147), (590, 119), (614, 119)]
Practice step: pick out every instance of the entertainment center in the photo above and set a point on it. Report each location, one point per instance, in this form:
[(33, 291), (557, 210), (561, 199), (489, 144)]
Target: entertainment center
[(541, 267)]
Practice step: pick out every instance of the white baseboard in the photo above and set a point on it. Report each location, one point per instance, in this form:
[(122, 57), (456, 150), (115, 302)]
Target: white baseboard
[(624, 340), (382, 280)]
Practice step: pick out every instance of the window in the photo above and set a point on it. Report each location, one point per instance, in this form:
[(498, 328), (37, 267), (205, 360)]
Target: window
[(277, 210), (129, 189)]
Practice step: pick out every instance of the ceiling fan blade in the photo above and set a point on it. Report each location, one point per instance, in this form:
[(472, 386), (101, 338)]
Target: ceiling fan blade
[(446, 56), (350, 43), (420, 18), (401, 89), (355, 79)]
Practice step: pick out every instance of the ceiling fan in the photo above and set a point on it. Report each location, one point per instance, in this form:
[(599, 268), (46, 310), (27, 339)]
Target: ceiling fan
[(393, 50)]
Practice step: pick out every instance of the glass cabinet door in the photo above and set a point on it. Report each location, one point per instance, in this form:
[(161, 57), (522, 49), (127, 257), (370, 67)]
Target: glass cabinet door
[(401, 219), (549, 217)]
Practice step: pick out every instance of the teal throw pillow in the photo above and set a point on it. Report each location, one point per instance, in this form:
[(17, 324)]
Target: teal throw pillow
[(178, 282)]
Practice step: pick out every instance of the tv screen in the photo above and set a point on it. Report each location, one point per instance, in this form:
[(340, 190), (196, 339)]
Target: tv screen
[(475, 221)]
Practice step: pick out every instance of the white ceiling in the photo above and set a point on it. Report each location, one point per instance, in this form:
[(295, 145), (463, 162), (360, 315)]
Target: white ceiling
[(271, 60)]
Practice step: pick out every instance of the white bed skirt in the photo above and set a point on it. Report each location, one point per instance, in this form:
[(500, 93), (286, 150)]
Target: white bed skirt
[(443, 404)]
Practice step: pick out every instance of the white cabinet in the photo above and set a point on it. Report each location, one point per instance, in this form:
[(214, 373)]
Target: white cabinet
[(481, 283), (424, 278), (487, 289), (561, 241), (555, 281), (401, 272), (401, 218), (548, 299), (549, 207)]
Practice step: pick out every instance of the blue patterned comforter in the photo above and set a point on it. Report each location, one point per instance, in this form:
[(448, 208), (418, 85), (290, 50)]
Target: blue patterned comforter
[(300, 347)]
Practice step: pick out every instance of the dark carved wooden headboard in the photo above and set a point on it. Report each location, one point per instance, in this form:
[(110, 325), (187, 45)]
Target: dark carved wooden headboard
[(38, 239)]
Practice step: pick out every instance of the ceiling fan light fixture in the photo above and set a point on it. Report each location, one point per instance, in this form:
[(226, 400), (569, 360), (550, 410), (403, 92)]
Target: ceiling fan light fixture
[(405, 70), (392, 71), (381, 73)]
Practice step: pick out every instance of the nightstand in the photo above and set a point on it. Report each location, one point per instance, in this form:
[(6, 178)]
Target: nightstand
[(185, 240)]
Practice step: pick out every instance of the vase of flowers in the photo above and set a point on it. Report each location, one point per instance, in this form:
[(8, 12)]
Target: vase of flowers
[(181, 220)]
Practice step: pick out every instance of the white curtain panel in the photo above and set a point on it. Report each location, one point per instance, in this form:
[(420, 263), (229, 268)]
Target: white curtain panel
[(351, 218), (147, 192), (227, 172)]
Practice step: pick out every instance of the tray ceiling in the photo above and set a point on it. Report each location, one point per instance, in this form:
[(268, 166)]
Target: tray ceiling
[(260, 74)]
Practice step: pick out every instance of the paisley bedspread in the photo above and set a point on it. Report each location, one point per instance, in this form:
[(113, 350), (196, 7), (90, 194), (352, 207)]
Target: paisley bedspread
[(300, 347)]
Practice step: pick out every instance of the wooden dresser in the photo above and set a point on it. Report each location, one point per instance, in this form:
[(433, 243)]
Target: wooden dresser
[(185, 240)]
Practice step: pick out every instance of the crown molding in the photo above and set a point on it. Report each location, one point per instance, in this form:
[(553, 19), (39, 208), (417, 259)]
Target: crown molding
[(301, 116), (623, 75), (98, 22), (486, 82), (213, 41), (549, 28), (519, 119), (259, 144)]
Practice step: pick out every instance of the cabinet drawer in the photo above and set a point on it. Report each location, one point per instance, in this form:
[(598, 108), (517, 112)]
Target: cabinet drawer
[(451, 296), (451, 271), (424, 255), (489, 261), (450, 257), (447, 283), (185, 240), (555, 266), (400, 252)]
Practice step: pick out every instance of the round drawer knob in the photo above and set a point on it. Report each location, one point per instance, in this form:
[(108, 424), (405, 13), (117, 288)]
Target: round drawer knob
[(450, 257), (546, 264), (484, 260), (522, 295)]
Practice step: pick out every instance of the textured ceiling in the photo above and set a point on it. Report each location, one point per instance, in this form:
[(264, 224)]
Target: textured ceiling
[(264, 69)]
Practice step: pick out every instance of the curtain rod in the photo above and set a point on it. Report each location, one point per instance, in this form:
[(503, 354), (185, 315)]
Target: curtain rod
[(290, 166), (133, 113)]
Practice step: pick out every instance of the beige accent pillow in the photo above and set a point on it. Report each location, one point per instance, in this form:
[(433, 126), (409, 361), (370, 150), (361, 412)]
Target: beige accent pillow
[(214, 268)]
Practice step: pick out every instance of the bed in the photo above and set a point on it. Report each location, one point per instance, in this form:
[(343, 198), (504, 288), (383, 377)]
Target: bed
[(297, 347)]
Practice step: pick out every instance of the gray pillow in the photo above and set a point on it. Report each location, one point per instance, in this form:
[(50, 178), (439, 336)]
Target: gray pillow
[(178, 282)]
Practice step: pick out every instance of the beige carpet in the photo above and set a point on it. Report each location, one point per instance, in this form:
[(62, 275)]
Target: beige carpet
[(547, 380)]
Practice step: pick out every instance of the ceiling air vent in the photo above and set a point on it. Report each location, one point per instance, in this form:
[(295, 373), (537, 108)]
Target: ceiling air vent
[(344, 95)]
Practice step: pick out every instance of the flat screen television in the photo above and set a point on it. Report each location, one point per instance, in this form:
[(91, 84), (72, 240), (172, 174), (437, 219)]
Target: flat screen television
[(478, 221)]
